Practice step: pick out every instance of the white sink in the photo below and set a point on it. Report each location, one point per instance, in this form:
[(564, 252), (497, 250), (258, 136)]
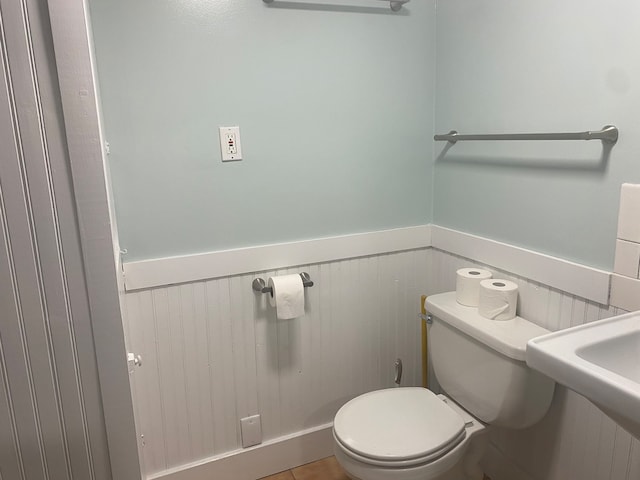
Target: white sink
[(599, 360)]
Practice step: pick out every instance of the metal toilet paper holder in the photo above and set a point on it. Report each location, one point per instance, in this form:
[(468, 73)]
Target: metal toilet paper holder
[(259, 285)]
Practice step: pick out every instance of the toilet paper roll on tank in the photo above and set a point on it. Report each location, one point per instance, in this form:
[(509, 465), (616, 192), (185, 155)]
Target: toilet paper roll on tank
[(498, 299), (287, 296), (468, 285)]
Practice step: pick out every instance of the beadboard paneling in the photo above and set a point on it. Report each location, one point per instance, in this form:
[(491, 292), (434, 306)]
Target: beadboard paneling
[(575, 440), (213, 352)]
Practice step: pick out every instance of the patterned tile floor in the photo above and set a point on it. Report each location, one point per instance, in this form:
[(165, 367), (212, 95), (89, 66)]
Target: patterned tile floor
[(325, 469)]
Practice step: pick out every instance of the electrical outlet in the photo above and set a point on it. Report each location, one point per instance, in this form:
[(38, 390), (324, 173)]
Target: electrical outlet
[(251, 430), (230, 144)]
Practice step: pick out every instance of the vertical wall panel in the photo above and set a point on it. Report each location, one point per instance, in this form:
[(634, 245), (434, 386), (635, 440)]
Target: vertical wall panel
[(171, 374), (222, 380), (190, 366), (202, 368), (150, 400), (621, 454), (634, 462), (603, 460), (11, 465)]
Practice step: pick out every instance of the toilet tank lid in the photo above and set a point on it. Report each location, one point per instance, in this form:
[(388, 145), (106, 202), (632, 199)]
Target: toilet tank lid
[(508, 337)]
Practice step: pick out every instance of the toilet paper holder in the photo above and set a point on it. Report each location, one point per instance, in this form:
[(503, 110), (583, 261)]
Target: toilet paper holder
[(259, 285)]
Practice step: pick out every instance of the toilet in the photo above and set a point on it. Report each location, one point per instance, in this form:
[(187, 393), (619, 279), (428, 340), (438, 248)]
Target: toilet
[(411, 433)]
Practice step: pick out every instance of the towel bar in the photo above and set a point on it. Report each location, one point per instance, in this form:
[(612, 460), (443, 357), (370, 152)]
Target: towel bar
[(394, 4), (608, 134)]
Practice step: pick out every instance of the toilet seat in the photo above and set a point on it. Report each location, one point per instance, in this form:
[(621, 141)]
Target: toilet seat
[(400, 463), (398, 427)]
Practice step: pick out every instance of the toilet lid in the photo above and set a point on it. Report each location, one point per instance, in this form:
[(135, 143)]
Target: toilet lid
[(397, 424)]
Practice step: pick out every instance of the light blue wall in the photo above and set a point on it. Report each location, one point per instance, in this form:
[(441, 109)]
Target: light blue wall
[(506, 66), (335, 106)]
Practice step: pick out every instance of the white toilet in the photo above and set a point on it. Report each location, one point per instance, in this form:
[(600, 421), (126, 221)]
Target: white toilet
[(413, 434)]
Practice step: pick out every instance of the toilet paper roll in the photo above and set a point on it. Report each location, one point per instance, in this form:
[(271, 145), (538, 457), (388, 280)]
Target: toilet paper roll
[(287, 296), (498, 299), (468, 285)]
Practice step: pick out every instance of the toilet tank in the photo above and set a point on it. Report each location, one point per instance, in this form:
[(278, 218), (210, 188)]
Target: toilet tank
[(480, 363)]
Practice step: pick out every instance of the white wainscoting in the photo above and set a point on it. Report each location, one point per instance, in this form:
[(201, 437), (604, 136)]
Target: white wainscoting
[(575, 440), (213, 352)]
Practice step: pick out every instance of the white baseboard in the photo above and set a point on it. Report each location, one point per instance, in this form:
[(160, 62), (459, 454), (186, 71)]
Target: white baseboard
[(260, 461)]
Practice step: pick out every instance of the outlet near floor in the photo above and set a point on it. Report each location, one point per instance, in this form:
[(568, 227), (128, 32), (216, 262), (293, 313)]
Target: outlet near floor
[(251, 430)]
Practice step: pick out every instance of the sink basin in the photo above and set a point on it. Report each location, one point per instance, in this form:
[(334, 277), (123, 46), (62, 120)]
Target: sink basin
[(599, 360)]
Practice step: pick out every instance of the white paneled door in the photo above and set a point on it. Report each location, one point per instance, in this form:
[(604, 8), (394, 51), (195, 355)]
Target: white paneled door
[(51, 416)]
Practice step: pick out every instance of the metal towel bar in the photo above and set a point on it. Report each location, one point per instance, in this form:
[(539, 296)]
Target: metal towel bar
[(608, 134), (394, 4)]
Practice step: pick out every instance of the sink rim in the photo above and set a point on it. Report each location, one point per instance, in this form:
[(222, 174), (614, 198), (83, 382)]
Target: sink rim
[(621, 344), (556, 356)]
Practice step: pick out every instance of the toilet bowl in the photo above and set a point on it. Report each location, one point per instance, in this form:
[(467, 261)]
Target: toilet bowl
[(413, 434), (407, 434)]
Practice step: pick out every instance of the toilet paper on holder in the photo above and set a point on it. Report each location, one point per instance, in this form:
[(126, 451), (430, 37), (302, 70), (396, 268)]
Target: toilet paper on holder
[(287, 296), (259, 285)]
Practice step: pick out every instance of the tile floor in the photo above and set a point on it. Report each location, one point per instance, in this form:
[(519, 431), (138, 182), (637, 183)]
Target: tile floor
[(325, 469)]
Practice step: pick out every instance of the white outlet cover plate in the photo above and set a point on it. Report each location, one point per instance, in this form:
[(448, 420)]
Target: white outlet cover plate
[(228, 154), (251, 429)]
